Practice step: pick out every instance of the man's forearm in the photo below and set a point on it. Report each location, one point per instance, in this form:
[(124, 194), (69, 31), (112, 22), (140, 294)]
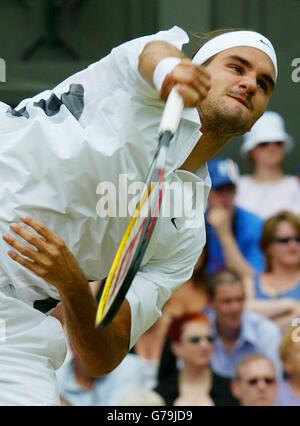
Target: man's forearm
[(101, 349), (233, 256)]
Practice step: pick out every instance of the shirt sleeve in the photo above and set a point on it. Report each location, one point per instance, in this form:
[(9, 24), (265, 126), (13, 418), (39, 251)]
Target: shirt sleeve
[(125, 60), (171, 266)]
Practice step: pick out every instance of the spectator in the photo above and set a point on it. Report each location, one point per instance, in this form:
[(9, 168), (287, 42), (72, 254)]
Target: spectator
[(268, 190), (238, 331), (138, 370), (289, 389), (191, 341), (232, 232), (76, 387), (276, 292), (255, 381)]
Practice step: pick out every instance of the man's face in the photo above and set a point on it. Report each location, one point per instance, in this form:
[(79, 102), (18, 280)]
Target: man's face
[(242, 80), (229, 303), (223, 196), (256, 385)]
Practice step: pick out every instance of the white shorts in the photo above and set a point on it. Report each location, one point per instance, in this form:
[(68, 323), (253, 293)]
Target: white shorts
[(32, 347)]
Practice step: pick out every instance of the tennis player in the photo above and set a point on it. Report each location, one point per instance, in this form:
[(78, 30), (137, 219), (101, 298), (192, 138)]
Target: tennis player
[(56, 148)]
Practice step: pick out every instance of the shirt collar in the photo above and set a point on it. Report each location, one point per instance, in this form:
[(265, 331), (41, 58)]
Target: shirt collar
[(247, 332), (191, 114)]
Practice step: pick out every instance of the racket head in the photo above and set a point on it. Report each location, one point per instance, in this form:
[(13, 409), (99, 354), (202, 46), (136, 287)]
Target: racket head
[(135, 239)]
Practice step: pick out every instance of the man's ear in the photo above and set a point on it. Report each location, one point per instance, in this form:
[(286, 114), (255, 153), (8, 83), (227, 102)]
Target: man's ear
[(235, 388)]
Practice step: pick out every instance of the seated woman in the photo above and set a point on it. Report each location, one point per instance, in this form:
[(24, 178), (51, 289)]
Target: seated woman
[(190, 341), (276, 292)]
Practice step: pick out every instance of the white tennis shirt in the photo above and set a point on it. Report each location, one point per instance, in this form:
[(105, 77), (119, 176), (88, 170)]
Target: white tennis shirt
[(57, 147)]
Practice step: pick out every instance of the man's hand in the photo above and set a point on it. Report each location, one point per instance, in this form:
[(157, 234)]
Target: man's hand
[(193, 83), (221, 220), (101, 349), (48, 257), (193, 80)]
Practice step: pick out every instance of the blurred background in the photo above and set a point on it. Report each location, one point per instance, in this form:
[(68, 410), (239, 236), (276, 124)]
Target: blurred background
[(44, 41)]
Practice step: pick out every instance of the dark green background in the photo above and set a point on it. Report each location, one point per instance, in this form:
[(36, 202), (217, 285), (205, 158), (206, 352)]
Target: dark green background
[(42, 45)]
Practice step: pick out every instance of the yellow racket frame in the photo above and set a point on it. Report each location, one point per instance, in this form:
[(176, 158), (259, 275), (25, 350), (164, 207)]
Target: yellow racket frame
[(114, 266)]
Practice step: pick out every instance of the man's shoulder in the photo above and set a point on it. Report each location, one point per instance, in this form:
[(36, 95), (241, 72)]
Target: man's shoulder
[(262, 325), (174, 35)]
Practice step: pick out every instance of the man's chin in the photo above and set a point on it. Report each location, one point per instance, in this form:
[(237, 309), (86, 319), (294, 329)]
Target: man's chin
[(238, 119)]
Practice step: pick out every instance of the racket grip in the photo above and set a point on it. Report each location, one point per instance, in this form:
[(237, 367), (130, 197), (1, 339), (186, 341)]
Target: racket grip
[(172, 112)]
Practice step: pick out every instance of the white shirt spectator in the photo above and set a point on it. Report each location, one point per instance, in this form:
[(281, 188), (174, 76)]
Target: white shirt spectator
[(267, 198)]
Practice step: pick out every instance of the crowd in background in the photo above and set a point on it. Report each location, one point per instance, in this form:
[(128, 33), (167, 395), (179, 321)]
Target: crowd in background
[(231, 334)]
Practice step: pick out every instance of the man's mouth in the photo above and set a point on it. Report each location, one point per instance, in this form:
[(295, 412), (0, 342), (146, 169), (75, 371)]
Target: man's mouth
[(241, 100)]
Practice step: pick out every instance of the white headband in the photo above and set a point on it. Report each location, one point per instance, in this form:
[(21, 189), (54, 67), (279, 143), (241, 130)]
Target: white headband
[(235, 39)]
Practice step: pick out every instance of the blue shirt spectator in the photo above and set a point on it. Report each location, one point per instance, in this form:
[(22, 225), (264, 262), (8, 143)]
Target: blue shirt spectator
[(132, 374), (257, 334), (247, 229), (227, 223), (293, 292), (237, 331)]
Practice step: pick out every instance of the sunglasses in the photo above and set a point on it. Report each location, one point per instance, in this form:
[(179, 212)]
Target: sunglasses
[(286, 240), (267, 380), (197, 339)]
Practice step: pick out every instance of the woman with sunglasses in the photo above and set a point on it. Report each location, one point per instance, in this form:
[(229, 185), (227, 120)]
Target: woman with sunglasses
[(267, 190), (189, 379), (276, 292)]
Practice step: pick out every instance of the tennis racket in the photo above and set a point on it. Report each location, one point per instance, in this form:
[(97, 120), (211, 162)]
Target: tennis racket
[(137, 235)]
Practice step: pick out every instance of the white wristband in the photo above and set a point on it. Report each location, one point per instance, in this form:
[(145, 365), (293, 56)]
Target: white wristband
[(164, 67)]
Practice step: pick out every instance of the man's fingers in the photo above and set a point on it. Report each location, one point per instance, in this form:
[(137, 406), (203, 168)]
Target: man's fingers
[(28, 236), (21, 248), (26, 263), (40, 228), (190, 95), (193, 83)]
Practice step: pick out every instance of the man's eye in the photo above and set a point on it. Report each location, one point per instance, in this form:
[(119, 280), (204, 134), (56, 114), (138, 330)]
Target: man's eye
[(236, 68), (262, 85)]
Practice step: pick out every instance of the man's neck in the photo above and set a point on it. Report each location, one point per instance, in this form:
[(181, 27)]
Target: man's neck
[(228, 335), (208, 145)]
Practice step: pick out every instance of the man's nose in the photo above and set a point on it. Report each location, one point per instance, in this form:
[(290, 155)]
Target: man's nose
[(248, 84)]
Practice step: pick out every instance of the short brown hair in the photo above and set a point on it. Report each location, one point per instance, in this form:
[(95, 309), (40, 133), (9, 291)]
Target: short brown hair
[(270, 228), (221, 277), (199, 40)]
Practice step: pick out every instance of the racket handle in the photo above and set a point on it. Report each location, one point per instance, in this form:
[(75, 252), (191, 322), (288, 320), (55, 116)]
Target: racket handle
[(172, 112)]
